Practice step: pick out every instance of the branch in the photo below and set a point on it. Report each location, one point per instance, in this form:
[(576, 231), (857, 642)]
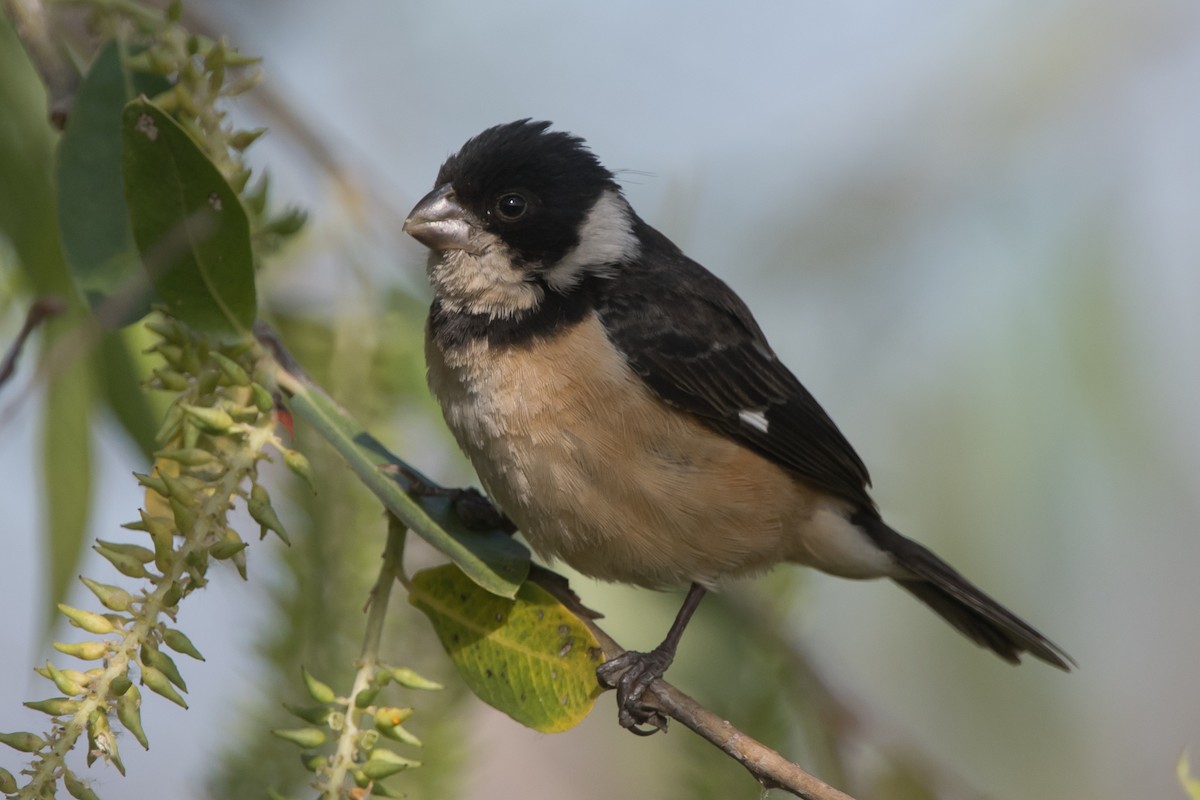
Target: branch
[(767, 766), (42, 309)]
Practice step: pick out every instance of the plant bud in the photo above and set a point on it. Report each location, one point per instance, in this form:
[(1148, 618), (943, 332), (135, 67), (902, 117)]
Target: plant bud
[(23, 740), (260, 508), (156, 682), (171, 353), (170, 380), (152, 656), (8, 784), (142, 554), (298, 464), (113, 597), (365, 697), (129, 711), (69, 681), (401, 734), (177, 641), (120, 685), (390, 717), (381, 790), (166, 327), (153, 482), (184, 514), (213, 420), (89, 621), (126, 565), (77, 788), (87, 651), (208, 381), (383, 763), (314, 715), (321, 692), (179, 489), (262, 398), (243, 139), (55, 706), (231, 369), (230, 545), (173, 596), (307, 738), (312, 761), (411, 680)]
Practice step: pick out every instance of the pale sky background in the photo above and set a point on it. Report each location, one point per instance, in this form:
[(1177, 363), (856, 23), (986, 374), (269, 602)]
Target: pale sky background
[(972, 229)]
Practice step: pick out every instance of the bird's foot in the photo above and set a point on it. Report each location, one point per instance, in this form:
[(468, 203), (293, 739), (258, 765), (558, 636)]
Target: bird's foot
[(631, 674), (479, 513), (476, 512)]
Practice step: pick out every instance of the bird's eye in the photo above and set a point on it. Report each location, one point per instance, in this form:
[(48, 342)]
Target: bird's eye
[(512, 206)]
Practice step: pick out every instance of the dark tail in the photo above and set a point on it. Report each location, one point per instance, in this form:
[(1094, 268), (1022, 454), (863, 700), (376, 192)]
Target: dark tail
[(980, 618)]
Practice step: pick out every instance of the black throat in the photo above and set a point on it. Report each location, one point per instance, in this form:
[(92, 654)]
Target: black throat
[(555, 313)]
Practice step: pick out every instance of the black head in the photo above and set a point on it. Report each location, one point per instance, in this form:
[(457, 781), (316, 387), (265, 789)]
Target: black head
[(530, 186)]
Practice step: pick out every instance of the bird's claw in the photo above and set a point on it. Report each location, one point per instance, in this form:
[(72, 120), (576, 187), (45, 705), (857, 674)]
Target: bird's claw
[(631, 674), (476, 512)]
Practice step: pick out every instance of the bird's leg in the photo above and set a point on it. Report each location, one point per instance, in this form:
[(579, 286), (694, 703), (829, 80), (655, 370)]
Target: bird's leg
[(631, 673)]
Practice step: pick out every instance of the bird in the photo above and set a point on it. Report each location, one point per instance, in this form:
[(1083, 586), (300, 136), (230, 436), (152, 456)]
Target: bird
[(623, 408)]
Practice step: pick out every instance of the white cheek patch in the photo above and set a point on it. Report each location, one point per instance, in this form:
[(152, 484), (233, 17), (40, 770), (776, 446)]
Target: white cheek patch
[(755, 419), (606, 238)]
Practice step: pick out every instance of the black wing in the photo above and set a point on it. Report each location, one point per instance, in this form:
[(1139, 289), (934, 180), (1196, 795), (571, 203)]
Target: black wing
[(696, 345)]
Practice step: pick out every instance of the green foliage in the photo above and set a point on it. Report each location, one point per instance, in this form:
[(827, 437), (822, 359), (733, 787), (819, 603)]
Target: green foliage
[(189, 224), (188, 501), (529, 656), (92, 216)]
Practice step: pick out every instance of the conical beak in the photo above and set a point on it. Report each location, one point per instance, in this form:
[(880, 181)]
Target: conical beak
[(439, 222)]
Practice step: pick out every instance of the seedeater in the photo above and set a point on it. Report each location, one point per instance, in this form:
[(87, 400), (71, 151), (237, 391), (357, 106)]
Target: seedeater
[(625, 411)]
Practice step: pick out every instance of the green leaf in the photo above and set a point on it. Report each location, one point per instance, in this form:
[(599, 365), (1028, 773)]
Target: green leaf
[(92, 216), (492, 559), (26, 154), (530, 657), (67, 472), (190, 227)]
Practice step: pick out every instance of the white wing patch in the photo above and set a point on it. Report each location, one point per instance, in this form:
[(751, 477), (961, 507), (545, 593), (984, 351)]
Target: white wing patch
[(755, 419)]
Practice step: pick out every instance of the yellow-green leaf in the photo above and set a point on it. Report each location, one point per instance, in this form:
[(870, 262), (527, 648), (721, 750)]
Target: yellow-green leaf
[(1190, 784), (530, 657)]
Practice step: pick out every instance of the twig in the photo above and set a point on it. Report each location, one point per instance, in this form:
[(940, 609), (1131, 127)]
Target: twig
[(42, 309), (767, 766), (334, 775)]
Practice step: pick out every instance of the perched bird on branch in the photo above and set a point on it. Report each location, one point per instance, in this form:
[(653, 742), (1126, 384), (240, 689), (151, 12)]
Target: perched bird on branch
[(624, 409)]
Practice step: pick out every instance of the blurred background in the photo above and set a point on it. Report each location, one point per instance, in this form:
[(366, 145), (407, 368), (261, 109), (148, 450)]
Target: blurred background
[(970, 229)]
